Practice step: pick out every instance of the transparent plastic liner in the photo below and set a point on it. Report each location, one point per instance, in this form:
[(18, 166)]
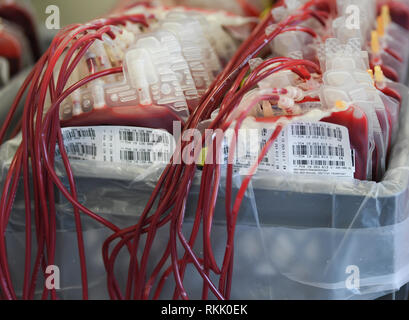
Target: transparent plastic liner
[(295, 238), (298, 264)]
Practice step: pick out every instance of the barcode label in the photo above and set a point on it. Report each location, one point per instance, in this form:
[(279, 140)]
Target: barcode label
[(144, 156), (128, 136), (315, 130), (319, 163), (301, 148), (128, 145), (79, 149), (78, 133), (320, 149), (143, 136)]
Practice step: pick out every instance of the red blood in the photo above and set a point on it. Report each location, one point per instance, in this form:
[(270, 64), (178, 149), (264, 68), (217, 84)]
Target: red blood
[(376, 155), (392, 93), (358, 136), (155, 117), (395, 95), (324, 6), (394, 54)]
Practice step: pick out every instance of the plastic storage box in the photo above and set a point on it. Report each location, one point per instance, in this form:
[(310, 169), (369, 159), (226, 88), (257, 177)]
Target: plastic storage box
[(297, 237)]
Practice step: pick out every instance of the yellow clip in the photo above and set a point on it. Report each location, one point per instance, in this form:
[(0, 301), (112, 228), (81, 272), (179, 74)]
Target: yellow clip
[(202, 157), (370, 71), (386, 15), (375, 42), (265, 12), (268, 4), (379, 77), (342, 105), (380, 26), (243, 81)]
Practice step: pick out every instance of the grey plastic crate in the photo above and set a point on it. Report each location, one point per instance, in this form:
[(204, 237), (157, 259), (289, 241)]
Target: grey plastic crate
[(7, 95), (289, 214)]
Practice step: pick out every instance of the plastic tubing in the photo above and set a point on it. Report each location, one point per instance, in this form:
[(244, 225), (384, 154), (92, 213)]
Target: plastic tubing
[(178, 210), (177, 214), (28, 128), (42, 133), (178, 278)]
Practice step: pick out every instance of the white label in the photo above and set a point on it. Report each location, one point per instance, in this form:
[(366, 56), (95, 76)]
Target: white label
[(320, 149), (317, 148), (301, 148), (118, 144)]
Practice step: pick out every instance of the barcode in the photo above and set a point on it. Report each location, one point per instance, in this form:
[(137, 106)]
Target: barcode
[(79, 133), (80, 149), (353, 157), (315, 131), (319, 163), (144, 156), (262, 145), (318, 150), (142, 136), (128, 136)]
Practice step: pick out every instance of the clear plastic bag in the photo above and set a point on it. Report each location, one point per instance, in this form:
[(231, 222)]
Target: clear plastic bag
[(298, 250)]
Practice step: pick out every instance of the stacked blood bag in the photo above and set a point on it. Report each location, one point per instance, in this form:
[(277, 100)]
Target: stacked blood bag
[(316, 79)]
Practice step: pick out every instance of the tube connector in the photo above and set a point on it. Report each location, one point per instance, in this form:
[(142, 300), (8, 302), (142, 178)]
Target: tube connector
[(375, 46), (379, 76), (295, 93), (341, 105), (386, 15), (285, 103)]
